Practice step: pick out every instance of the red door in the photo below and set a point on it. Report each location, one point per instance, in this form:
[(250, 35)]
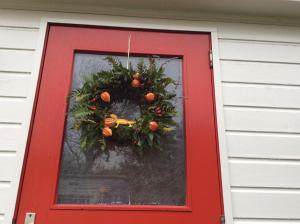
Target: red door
[(158, 194)]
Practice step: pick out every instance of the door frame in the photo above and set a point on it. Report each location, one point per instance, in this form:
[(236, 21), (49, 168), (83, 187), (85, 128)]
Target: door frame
[(150, 24)]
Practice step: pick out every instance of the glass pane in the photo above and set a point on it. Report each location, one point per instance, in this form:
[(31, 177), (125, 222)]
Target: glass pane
[(119, 175)]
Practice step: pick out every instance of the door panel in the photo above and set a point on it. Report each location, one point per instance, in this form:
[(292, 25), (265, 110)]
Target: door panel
[(183, 186)]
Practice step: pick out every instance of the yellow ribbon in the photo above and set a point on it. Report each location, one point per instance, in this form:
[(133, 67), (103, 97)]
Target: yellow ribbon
[(130, 123), (119, 121)]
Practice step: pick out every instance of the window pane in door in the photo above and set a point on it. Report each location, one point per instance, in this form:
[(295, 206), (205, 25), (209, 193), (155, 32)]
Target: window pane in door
[(119, 175)]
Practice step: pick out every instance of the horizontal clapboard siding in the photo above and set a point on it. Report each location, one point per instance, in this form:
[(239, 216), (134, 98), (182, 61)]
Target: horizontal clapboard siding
[(8, 160), (14, 38), (14, 84), (263, 145), (242, 50), (11, 110), (261, 101), (254, 32), (261, 89), (258, 72), (261, 95), (10, 135), (5, 207), (265, 173), (17, 49), (16, 60), (265, 221), (260, 68), (262, 120), (266, 204)]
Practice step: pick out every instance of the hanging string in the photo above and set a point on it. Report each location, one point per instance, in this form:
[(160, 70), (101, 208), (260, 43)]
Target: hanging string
[(128, 49)]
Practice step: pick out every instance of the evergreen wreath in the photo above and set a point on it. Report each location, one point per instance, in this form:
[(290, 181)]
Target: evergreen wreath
[(145, 85)]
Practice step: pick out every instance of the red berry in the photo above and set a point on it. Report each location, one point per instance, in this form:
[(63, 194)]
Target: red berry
[(93, 107), (153, 126)]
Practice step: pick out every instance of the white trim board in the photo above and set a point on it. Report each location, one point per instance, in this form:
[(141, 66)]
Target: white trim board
[(157, 24)]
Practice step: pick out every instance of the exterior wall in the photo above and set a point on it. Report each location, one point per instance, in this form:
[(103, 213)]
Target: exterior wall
[(260, 68)]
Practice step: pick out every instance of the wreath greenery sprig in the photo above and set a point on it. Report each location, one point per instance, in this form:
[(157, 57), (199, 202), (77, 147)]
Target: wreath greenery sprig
[(145, 85)]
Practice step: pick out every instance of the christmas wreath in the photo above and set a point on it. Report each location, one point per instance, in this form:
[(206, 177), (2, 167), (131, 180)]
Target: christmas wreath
[(145, 85)]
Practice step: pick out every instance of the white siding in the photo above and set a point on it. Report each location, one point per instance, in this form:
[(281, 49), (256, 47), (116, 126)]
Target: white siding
[(260, 67), (261, 77)]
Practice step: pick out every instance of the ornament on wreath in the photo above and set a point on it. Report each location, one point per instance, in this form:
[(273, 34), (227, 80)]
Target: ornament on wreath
[(146, 86), (150, 97), (106, 132), (135, 83), (105, 96)]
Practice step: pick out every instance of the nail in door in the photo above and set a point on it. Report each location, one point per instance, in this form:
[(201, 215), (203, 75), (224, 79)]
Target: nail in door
[(175, 185)]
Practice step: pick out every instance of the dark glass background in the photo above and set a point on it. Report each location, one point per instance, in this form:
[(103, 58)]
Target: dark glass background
[(119, 176)]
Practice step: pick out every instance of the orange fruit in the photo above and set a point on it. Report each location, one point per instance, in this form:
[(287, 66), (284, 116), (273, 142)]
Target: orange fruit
[(109, 122), (105, 96), (135, 83), (106, 132), (150, 97)]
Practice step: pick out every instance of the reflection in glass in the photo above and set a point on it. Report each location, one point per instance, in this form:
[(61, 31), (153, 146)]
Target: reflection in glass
[(118, 175)]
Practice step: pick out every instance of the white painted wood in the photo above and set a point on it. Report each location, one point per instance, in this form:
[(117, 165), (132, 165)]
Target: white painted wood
[(16, 60), (264, 173), (10, 136), (5, 209), (263, 145), (275, 33), (266, 221), (264, 203), (14, 84), (264, 120), (22, 19), (18, 38), (11, 110), (259, 51), (240, 45), (8, 161), (257, 72), (227, 202), (261, 95)]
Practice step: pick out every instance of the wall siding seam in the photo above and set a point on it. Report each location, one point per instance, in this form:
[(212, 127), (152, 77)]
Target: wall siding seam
[(18, 28), (255, 189), (258, 41), (250, 160), (17, 49), (258, 107), (15, 72), (277, 133), (265, 190), (10, 123), (263, 159), (261, 108), (258, 61), (11, 96), (266, 219), (260, 84)]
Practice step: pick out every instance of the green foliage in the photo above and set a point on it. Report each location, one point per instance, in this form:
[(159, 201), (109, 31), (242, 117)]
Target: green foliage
[(89, 111)]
